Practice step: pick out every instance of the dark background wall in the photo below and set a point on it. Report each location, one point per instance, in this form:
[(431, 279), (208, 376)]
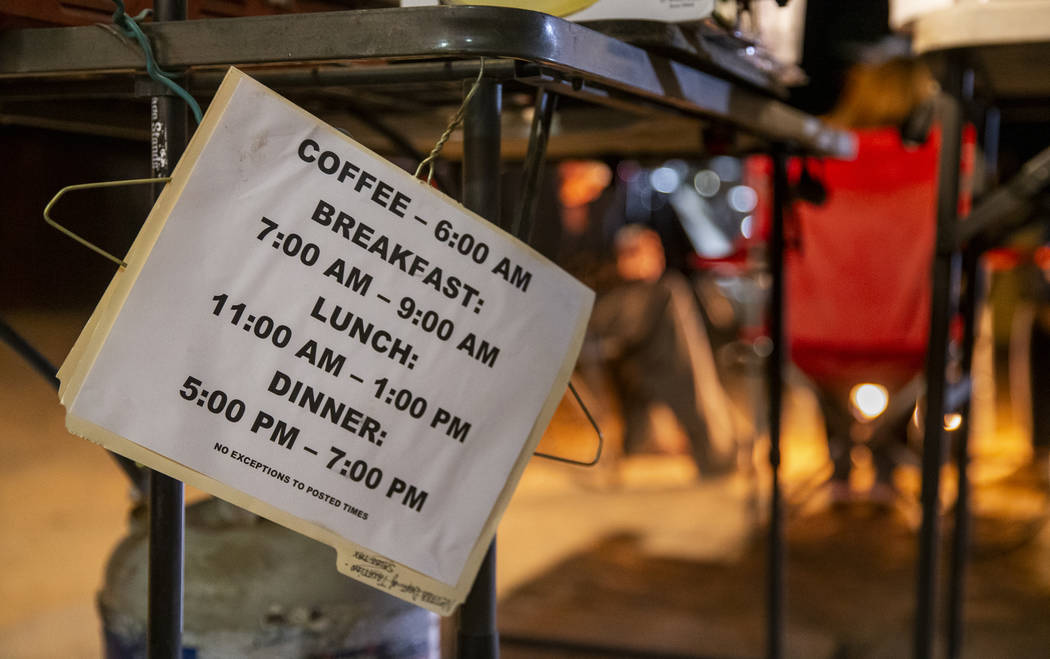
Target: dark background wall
[(40, 267), (834, 29)]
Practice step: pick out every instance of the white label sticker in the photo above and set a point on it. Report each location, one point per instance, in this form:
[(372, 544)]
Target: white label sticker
[(321, 331)]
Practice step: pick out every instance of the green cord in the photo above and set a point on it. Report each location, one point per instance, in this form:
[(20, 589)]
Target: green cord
[(129, 26)]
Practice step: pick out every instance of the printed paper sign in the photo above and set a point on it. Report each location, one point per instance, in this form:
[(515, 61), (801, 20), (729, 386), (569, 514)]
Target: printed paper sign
[(309, 331)]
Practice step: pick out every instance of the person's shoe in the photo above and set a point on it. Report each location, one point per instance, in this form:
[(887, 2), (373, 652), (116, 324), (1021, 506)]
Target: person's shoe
[(1034, 474), (840, 493), (718, 469), (882, 495)]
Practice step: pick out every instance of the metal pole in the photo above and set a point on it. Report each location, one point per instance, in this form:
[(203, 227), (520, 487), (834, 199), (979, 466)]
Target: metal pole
[(535, 158), (478, 638), (973, 291), (936, 361), (972, 281), (168, 134), (990, 145), (775, 382)]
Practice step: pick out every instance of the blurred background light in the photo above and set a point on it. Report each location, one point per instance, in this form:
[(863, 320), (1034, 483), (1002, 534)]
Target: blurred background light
[(664, 179), (706, 182)]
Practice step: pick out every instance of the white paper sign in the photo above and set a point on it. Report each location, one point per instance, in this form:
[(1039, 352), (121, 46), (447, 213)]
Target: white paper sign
[(316, 329)]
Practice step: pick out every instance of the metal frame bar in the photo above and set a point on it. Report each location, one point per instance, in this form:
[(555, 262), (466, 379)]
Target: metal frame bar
[(991, 217), (535, 158), (169, 133), (969, 303), (478, 637), (121, 85), (945, 267), (973, 290), (775, 384), (166, 552)]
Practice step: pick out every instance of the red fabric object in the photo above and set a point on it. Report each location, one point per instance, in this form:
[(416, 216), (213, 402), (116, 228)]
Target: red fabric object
[(999, 259), (858, 266)]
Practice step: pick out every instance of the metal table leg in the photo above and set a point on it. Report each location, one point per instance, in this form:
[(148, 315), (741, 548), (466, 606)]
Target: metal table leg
[(478, 638), (961, 536), (775, 382), (944, 266), (166, 523), (168, 131), (969, 305)]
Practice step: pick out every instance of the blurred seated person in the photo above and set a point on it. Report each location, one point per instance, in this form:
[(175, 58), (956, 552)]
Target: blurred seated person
[(585, 199), (858, 265), (648, 332)]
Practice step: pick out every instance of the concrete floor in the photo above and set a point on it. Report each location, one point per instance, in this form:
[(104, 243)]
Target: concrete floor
[(63, 505), (634, 558)]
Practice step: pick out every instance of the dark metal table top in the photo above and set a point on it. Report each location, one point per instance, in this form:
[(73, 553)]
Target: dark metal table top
[(1006, 42), (542, 50)]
